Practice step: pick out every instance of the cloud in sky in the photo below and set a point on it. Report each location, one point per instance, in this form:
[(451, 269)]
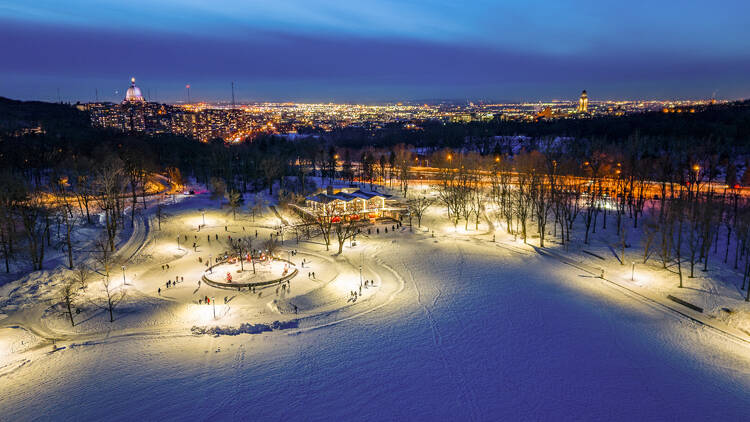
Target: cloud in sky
[(377, 50)]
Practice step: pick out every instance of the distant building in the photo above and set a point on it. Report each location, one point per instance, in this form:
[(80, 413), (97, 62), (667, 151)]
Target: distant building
[(354, 204), (133, 94), (583, 102), (545, 113)]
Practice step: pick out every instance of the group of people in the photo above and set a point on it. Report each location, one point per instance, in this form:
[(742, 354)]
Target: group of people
[(354, 294), (171, 283), (377, 229), (284, 287)]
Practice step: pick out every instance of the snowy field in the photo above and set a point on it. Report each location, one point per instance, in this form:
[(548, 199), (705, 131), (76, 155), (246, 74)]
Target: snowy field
[(456, 327)]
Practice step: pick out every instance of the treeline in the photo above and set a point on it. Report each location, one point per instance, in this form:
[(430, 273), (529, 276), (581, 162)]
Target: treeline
[(58, 118), (682, 216)]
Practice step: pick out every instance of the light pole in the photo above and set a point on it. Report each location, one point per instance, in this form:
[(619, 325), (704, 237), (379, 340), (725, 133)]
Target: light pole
[(632, 272), (213, 300), (210, 264), (360, 276), (123, 275), (178, 242)]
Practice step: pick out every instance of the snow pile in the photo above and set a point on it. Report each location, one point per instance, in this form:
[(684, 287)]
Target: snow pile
[(245, 328)]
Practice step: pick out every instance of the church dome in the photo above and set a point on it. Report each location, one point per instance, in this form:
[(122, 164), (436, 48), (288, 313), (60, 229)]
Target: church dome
[(133, 93)]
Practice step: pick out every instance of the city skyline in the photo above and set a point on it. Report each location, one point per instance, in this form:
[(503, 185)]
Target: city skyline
[(374, 51)]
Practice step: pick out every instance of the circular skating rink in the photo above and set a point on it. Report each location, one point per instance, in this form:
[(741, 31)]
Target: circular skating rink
[(244, 273)]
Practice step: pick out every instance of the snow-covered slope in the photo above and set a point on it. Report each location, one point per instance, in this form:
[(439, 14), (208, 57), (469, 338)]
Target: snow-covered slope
[(456, 328)]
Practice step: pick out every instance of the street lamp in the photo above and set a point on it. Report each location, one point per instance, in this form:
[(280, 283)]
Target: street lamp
[(178, 242), (213, 299), (632, 272), (123, 275), (210, 264), (360, 276)]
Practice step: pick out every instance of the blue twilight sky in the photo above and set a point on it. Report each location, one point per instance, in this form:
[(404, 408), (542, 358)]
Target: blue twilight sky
[(368, 50)]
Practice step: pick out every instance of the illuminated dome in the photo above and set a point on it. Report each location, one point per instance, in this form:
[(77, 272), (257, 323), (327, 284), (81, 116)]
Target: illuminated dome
[(133, 95)]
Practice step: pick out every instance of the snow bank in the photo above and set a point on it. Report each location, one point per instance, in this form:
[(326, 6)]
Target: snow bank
[(245, 328)]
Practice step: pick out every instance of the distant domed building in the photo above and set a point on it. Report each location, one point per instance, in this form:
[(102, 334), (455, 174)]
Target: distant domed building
[(133, 95)]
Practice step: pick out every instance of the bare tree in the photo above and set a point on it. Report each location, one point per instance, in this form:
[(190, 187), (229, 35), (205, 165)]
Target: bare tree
[(501, 193), (64, 211), (540, 196), (345, 229), (103, 255), (650, 228), (417, 207), (272, 169), (452, 185), (105, 259), (134, 168), (109, 186), (160, 214), (68, 296), (259, 204), (34, 217), (82, 181), (114, 296), (323, 220), (234, 198), (476, 195), (241, 247), (403, 161), (81, 274), (271, 246), (676, 211), (12, 195), (218, 189)]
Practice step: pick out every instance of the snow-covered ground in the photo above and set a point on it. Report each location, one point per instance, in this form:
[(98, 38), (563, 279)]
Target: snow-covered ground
[(456, 327)]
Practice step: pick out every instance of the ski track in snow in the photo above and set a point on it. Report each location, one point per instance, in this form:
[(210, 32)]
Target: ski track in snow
[(453, 370)]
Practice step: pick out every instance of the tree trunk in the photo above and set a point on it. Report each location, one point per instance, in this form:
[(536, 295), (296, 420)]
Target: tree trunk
[(70, 312)]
